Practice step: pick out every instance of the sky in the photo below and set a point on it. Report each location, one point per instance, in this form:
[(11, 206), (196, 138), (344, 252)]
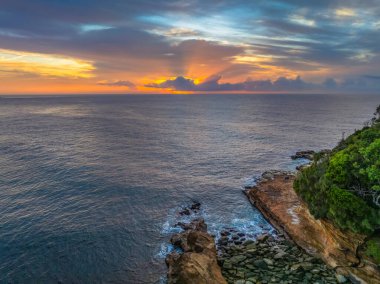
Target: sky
[(192, 46)]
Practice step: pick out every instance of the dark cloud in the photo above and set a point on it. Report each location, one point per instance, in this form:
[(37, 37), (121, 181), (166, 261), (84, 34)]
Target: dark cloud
[(281, 84), (374, 77), (213, 84), (151, 36), (179, 83), (117, 83), (360, 84), (330, 83), (128, 49)]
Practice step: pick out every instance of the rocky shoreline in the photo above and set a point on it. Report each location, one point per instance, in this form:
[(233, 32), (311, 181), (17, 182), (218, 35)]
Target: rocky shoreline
[(235, 259), (275, 198), (303, 250), (272, 259)]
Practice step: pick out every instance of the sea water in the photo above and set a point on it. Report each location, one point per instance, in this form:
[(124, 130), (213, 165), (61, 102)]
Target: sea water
[(91, 186)]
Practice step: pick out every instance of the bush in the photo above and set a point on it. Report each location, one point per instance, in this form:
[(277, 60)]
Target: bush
[(344, 186), (350, 212), (373, 250)]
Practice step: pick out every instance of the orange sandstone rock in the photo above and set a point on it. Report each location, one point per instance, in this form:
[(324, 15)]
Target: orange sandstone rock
[(278, 202), (198, 263)]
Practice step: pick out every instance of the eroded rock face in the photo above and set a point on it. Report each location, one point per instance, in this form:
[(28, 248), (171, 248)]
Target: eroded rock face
[(278, 202), (198, 263)]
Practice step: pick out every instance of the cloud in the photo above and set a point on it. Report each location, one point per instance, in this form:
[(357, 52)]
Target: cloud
[(47, 65), (179, 83), (181, 32), (158, 38), (374, 77), (213, 84), (345, 12), (369, 84), (117, 83), (330, 83), (281, 84)]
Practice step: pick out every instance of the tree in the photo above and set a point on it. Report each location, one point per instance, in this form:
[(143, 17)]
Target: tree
[(344, 186)]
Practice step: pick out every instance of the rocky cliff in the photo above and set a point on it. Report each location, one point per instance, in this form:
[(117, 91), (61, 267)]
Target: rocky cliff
[(275, 198)]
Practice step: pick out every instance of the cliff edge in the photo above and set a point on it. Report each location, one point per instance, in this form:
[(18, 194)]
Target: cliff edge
[(275, 197)]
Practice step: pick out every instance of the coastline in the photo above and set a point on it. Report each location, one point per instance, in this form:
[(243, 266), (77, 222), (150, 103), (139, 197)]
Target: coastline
[(304, 250), (275, 198), (237, 260)]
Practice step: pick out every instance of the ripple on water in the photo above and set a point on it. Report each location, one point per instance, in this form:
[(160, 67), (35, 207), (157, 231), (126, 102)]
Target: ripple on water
[(89, 184)]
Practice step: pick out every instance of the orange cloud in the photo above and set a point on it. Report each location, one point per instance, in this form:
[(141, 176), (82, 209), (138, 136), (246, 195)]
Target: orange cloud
[(12, 61)]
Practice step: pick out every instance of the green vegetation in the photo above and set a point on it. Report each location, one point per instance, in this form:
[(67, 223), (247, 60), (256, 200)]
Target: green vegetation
[(344, 186), (373, 249)]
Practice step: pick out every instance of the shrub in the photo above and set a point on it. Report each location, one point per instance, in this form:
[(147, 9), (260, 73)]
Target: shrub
[(344, 186), (373, 250)]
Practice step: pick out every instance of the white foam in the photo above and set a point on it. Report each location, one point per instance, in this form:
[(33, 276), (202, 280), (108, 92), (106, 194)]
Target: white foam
[(251, 181)]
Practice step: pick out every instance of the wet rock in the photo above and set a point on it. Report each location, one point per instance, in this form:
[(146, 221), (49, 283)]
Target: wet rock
[(223, 241), (306, 266), (185, 211), (197, 224), (198, 263), (180, 240), (309, 155), (302, 167), (268, 261), (260, 263), (248, 242), (262, 238), (251, 246), (268, 175), (225, 233), (340, 278), (279, 255), (195, 206), (295, 267)]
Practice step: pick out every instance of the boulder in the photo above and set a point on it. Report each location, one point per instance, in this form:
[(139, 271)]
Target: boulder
[(197, 224), (198, 262), (195, 206), (309, 155), (260, 263), (195, 268)]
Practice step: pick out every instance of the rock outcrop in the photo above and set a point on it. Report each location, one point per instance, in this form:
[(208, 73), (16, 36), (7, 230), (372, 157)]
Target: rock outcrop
[(278, 202), (308, 154), (197, 264)]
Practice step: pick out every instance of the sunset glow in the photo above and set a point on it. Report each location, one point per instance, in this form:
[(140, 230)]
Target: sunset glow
[(12, 61), (141, 47)]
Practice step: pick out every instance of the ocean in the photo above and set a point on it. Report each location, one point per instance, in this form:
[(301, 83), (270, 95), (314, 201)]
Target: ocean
[(91, 186)]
